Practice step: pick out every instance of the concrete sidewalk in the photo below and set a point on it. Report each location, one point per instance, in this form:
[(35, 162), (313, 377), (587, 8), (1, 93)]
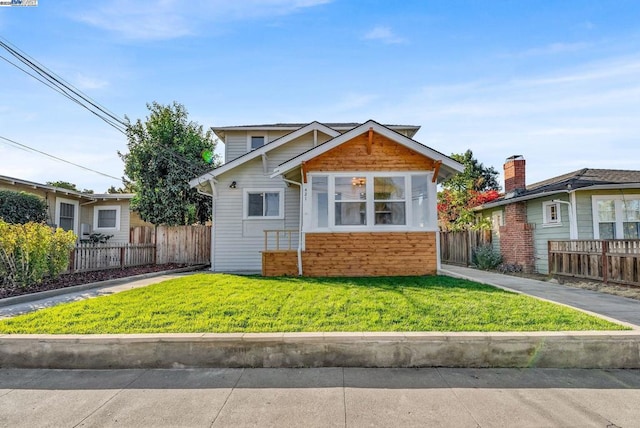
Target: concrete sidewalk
[(613, 307), (340, 397)]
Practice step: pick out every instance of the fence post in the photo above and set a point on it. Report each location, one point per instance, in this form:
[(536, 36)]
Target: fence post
[(122, 256), (72, 260), (605, 261), (549, 258)]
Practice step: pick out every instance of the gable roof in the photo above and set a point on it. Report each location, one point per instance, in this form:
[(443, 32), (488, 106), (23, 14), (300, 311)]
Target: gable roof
[(337, 126), (448, 168), (93, 197), (264, 150), (584, 179)]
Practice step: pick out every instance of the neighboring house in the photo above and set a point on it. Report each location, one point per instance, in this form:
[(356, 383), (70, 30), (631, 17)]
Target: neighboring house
[(83, 213), (584, 204), (361, 199)]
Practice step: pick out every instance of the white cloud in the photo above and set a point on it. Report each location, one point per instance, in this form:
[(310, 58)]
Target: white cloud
[(171, 19), (86, 82), (385, 35), (553, 49)]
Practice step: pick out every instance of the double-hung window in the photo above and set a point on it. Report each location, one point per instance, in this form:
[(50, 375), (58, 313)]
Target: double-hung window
[(106, 217), (263, 204), (369, 201), (551, 214), (616, 217), (255, 141)]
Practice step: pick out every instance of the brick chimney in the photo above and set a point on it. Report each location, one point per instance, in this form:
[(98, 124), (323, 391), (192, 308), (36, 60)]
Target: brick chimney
[(514, 175)]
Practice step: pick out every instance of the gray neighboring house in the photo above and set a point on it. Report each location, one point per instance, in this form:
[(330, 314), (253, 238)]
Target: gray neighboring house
[(83, 213), (584, 204)]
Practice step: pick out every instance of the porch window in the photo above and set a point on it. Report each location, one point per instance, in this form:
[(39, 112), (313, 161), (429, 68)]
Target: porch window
[(616, 217), (263, 204), (350, 201), (370, 201)]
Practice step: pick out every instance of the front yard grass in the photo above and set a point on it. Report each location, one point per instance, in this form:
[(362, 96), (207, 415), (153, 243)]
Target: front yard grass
[(219, 303)]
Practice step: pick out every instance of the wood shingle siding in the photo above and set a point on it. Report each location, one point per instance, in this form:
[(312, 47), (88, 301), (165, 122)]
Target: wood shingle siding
[(370, 254), (386, 155)]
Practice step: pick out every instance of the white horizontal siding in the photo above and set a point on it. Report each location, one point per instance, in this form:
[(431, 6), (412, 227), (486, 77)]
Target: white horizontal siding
[(236, 142)]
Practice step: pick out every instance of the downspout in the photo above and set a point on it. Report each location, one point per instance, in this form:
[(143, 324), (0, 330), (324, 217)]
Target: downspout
[(299, 226), (573, 227)]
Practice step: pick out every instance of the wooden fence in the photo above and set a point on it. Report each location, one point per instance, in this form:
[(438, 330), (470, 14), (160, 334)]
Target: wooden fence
[(183, 244), (457, 247), (189, 245), (90, 257), (615, 261)]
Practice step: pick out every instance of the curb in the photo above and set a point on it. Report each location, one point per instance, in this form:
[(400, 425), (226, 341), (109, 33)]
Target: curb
[(602, 350), (31, 297)]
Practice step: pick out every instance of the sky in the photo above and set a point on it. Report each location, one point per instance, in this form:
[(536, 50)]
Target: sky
[(557, 82)]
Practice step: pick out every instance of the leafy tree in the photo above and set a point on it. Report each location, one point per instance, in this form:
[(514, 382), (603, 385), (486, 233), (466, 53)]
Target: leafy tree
[(475, 175), (165, 151), (127, 188), (475, 186), (67, 185), (21, 207)]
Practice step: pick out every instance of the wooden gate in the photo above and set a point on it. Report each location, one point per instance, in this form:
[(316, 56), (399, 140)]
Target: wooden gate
[(456, 248)]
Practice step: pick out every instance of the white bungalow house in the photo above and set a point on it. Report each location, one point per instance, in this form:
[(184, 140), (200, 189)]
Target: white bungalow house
[(336, 199), (83, 213)]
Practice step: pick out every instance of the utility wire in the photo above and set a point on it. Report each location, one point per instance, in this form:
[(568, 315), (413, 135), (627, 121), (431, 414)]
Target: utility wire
[(60, 85), (25, 147)]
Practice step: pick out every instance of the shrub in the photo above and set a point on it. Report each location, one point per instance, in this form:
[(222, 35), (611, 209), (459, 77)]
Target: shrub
[(30, 251), (486, 257), (21, 207)]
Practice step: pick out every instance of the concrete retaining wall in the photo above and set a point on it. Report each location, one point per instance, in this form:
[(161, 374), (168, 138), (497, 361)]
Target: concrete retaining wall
[(558, 350)]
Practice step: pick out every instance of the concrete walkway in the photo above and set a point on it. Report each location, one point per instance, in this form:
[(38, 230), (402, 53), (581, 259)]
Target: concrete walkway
[(13, 306), (326, 397), (613, 307)]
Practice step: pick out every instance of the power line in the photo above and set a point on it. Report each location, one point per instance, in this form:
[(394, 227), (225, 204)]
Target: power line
[(25, 147), (61, 86)]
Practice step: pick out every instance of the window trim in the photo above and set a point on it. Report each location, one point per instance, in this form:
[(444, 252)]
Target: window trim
[(618, 212), (546, 221), (76, 212), (309, 223), (256, 134), (245, 203), (98, 208)]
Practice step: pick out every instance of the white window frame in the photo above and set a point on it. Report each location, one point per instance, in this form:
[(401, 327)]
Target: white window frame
[(546, 220), (497, 220), (76, 212), (98, 208), (309, 223), (619, 215), (256, 134), (245, 203)]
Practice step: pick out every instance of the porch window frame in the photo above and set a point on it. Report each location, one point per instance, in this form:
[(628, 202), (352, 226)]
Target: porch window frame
[(310, 225), (619, 219), (76, 212)]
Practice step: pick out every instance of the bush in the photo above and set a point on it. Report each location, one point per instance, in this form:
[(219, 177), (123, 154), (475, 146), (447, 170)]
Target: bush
[(30, 251), (21, 207), (485, 257)]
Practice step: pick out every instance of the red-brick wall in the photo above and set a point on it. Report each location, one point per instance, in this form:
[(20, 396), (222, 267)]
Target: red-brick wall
[(514, 175), (516, 237)]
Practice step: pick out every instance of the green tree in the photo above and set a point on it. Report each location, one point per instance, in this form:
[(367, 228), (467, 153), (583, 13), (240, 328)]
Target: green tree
[(67, 185), (127, 188), (165, 151), (21, 207), (475, 186), (474, 177)]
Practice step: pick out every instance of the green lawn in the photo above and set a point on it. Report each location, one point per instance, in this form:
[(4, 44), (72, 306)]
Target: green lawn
[(228, 303)]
